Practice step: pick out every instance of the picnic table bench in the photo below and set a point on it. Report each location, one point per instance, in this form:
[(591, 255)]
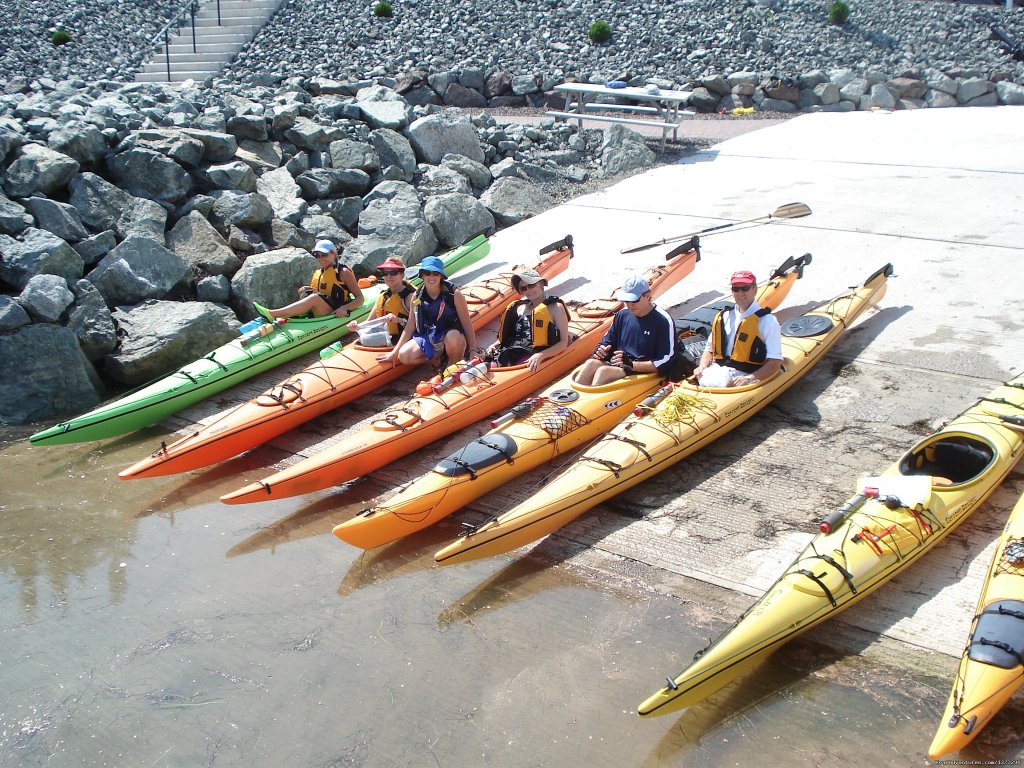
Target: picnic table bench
[(663, 106)]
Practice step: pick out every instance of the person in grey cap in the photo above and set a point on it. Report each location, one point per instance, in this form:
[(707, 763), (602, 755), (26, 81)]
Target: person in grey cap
[(334, 288), (641, 339), (533, 328)]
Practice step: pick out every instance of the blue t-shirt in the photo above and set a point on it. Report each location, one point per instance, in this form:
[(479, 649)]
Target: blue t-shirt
[(651, 337)]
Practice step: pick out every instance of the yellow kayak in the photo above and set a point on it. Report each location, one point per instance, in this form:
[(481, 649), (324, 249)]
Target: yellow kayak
[(893, 520), (563, 417), (992, 665), (686, 420)]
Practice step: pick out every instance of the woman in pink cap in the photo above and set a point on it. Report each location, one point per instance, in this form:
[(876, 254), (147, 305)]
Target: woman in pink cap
[(745, 345), (394, 300)]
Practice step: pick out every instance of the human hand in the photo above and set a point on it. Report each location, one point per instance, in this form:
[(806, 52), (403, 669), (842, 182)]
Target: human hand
[(353, 326), (534, 362), (601, 353), (743, 381)]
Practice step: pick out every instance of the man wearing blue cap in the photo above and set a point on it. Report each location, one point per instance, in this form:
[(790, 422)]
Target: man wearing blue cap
[(333, 288), (440, 331), (641, 339)]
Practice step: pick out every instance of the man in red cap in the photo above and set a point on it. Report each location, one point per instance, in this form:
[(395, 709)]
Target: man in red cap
[(745, 345), (394, 300)]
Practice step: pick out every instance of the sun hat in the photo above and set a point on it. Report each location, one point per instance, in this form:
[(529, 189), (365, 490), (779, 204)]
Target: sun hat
[(391, 263), (634, 287), (433, 264), (527, 277), (324, 246), (743, 277)]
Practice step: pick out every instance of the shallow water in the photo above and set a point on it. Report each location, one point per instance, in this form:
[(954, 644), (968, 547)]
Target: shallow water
[(145, 623)]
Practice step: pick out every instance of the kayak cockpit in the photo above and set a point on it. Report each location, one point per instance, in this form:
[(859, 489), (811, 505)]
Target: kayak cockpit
[(956, 458)]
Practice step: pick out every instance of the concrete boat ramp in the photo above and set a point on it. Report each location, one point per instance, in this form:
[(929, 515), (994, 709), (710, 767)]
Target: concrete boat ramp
[(939, 193)]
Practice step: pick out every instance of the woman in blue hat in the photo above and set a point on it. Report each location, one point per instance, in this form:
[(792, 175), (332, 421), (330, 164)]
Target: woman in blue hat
[(440, 331), (333, 288)]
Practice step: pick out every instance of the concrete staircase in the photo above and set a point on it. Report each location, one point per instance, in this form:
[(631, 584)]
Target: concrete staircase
[(215, 44)]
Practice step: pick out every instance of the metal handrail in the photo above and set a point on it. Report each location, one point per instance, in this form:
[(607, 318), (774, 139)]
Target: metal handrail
[(164, 35)]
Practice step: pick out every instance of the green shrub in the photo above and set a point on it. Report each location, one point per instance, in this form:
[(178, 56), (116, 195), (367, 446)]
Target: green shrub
[(600, 32), (838, 12), (382, 8), (60, 37)]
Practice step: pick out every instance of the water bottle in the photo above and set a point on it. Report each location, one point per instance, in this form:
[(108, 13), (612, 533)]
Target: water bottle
[(264, 330), (474, 372), (252, 325)]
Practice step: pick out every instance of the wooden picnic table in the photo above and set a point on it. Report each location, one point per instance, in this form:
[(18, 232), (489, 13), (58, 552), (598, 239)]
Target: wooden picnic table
[(662, 105)]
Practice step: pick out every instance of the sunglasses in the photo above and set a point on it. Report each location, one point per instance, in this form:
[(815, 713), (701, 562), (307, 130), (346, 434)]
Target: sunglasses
[(430, 273), (389, 272), (742, 288)]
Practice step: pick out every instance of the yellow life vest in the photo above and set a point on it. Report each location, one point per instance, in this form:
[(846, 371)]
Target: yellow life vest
[(749, 350), (392, 303), (543, 331), (330, 284)]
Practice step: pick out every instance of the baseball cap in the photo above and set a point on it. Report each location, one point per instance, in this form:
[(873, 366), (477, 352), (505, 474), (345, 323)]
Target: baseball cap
[(526, 277), (634, 287), (742, 278), (391, 263), (433, 264), (324, 246)]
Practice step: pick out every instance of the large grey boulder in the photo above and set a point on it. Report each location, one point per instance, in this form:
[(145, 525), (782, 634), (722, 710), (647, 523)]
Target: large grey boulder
[(12, 314), (38, 170), (240, 209), (51, 373), (308, 134), (449, 131), (382, 107), (173, 144), (196, 241), (139, 268), (624, 151), (318, 183), (346, 153), (145, 173), (233, 175), (81, 142), (13, 217), (478, 174), (94, 248), (218, 147), (91, 321), (284, 195), (391, 223), (513, 200), (1010, 93), (439, 180), (103, 206), (272, 278), (58, 218), (394, 151), (45, 298), (455, 218), (261, 156), (159, 336), (37, 252)]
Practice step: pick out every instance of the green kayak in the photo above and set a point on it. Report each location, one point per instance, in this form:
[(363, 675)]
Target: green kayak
[(226, 366)]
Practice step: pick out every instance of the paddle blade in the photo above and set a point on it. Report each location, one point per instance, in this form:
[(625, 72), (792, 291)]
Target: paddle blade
[(791, 211), (565, 242), (693, 244)]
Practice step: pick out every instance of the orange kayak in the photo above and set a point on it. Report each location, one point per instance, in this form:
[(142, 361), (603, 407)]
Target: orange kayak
[(426, 418), (324, 385), (563, 417)]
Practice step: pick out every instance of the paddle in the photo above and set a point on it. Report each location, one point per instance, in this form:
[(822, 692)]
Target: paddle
[(787, 211)]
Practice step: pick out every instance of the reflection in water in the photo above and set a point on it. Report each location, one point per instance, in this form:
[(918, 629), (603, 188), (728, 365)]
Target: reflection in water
[(144, 640)]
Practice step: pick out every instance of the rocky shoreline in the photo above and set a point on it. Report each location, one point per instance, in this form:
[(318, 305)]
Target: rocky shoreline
[(138, 222)]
